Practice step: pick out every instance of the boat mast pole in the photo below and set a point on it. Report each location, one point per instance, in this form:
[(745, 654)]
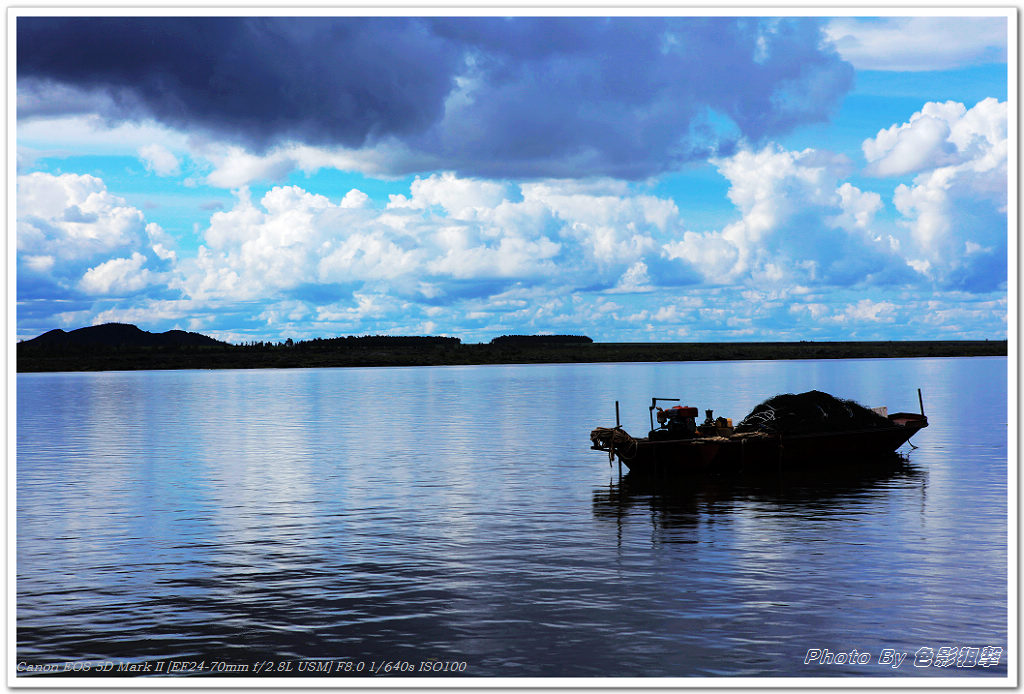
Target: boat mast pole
[(618, 426), (920, 401)]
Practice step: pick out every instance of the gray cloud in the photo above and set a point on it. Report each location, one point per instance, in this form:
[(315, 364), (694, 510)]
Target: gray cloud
[(625, 97)]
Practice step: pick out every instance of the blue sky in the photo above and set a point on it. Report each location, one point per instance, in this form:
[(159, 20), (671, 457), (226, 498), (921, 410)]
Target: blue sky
[(627, 178)]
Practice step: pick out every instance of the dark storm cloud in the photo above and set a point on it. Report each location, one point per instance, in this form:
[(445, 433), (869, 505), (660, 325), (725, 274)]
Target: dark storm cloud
[(626, 97), (256, 80), (633, 96)]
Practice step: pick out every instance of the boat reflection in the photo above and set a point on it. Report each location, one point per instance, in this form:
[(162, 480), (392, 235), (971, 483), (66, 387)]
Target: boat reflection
[(815, 491)]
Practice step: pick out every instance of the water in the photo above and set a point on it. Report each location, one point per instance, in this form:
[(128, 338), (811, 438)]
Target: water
[(400, 515)]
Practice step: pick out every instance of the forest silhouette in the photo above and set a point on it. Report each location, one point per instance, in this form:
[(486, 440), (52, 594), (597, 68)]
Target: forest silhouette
[(122, 347)]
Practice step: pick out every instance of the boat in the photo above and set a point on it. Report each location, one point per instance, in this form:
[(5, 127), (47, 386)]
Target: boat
[(785, 430)]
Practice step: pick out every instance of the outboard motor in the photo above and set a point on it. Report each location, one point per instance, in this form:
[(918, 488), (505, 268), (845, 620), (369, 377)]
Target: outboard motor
[(676, 423)]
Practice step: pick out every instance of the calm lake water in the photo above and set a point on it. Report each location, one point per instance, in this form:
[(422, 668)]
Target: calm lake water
[(454, 518)]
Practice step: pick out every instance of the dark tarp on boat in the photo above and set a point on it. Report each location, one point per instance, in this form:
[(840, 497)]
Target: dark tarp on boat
[(808, 413)]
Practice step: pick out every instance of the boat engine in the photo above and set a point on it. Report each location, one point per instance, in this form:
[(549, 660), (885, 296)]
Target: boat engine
[(676, 423)]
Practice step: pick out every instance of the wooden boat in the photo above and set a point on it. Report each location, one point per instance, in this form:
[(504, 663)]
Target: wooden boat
[(679, 446)]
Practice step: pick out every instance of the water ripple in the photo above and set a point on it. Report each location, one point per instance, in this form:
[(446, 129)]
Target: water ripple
[(299, 515)]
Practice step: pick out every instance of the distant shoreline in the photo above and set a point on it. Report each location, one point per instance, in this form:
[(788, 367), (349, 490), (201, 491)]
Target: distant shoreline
[(455, 354)]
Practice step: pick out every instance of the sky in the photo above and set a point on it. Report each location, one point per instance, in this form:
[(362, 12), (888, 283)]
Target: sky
[(632, 179)]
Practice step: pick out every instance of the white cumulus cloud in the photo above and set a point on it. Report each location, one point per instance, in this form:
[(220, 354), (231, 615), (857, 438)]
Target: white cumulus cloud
[(235, 166), (956, 209), (159, 159), (867, 310), (73, 232), (799, 223), (448, 236), (940, 134), (117, 275), (919, 43), (73, 216)]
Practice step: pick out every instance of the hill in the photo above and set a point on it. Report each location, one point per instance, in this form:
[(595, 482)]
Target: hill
[(116, 335), (534, 340)]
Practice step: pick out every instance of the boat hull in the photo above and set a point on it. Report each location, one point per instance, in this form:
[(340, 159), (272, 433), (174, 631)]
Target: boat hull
[(767, 452)]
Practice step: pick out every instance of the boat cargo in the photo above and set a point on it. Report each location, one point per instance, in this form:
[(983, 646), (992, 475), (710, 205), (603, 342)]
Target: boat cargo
[(812, 427)]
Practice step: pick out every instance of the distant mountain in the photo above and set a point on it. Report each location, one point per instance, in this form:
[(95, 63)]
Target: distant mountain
[(537, 340), (117, 335)]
